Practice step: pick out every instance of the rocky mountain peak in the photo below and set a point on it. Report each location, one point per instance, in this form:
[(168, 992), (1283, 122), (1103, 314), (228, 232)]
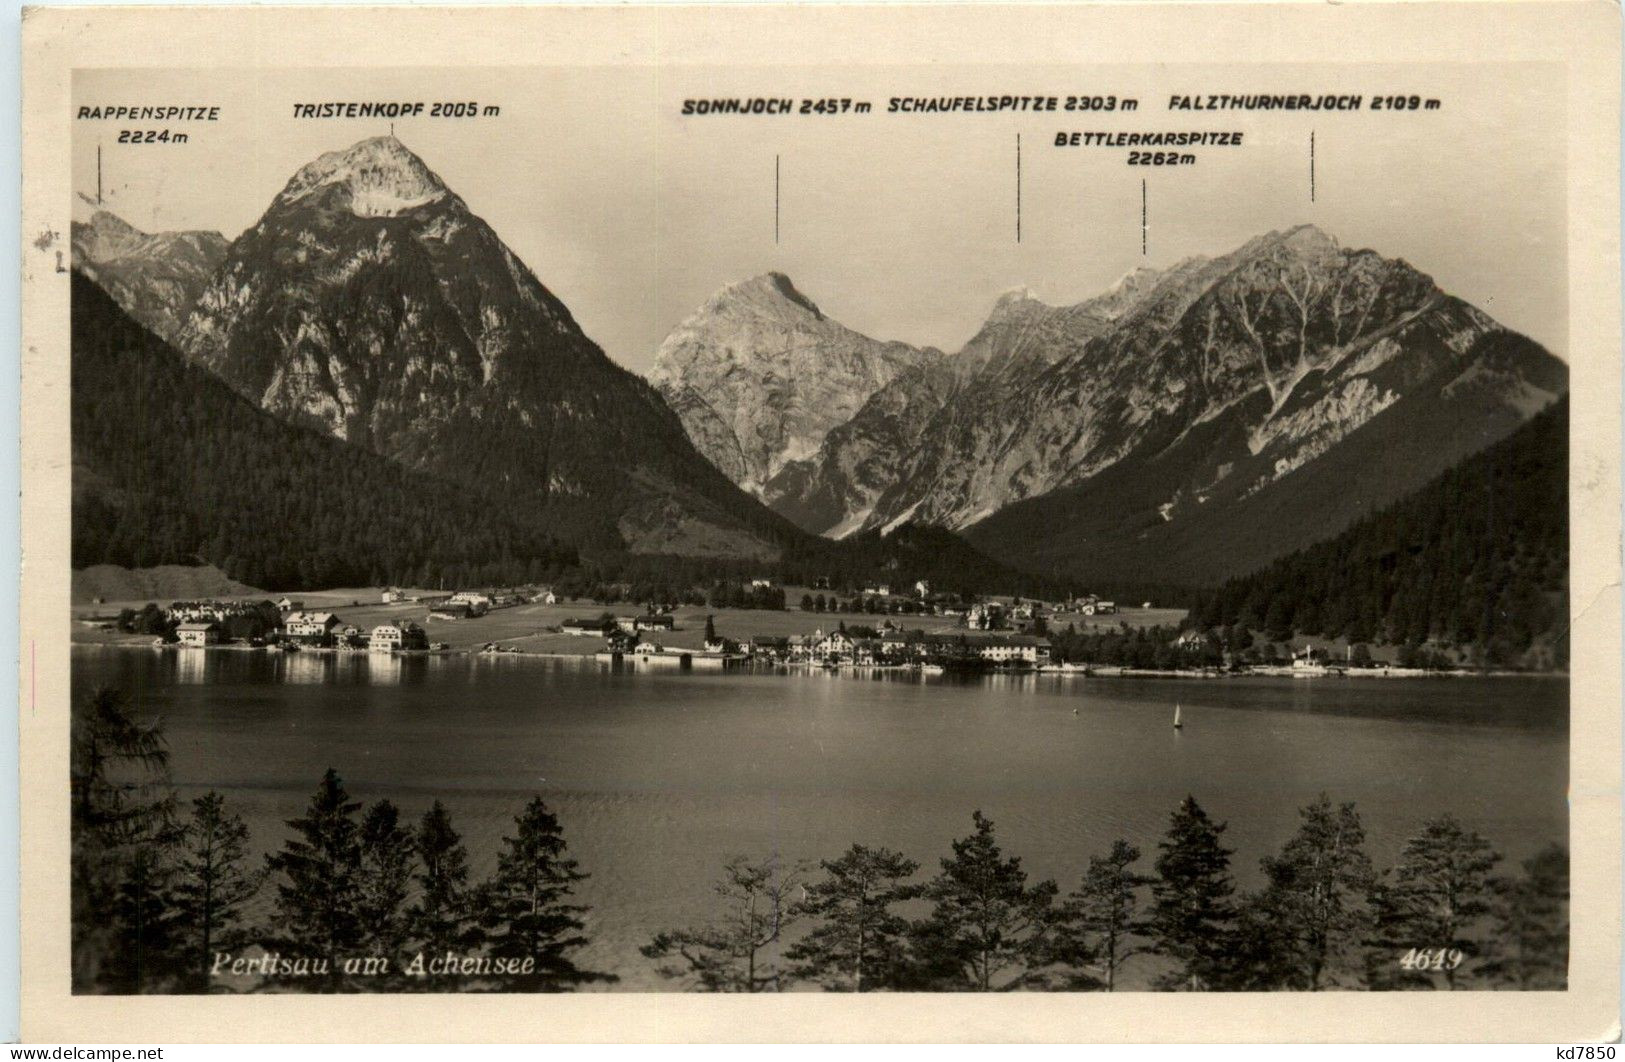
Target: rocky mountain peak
[(759, 375), (1128, 290), (1138, 277), (771, 295), (1250, 366), (1017, 303), (101, 235), (154, 277), (1309, 238), (370, 304), (380, 175)]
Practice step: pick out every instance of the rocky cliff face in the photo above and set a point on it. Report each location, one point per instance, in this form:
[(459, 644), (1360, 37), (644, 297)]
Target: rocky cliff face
[(759, 375), (154, 277), (1290, 320), (937, 407), (369, 302), (1177, 396)]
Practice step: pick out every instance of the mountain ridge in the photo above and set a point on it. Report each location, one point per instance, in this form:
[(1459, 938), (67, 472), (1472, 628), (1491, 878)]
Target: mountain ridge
[(1276, 352), (759, 375), (155, 277), (369, 302)]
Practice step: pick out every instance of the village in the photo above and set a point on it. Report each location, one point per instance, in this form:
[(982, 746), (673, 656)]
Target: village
[(951, 633), (870, 627)]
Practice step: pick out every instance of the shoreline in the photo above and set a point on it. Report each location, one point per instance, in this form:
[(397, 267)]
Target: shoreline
[(718, 664)]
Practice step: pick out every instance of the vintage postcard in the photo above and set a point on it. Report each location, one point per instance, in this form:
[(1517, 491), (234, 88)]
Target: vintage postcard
[(822, 522)]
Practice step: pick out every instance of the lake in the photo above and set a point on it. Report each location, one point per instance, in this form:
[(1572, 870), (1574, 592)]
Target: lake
[(659, 776)]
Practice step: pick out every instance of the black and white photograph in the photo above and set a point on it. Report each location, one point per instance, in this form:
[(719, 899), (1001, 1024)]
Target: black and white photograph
[(908, 527)]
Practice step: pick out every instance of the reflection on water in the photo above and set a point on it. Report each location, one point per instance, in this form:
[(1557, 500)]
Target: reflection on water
[(194, 667), (658, 775)]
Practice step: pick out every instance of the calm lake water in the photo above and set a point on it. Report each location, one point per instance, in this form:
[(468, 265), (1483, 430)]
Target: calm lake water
[(658, 776)]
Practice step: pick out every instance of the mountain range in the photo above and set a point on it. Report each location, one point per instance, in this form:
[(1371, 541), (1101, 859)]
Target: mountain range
[(1184, 426), (370, 304), (1187, 424), (760, 376), (155, 277)]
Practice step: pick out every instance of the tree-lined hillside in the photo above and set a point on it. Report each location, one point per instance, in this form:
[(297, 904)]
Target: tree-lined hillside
[(173, 467), (1477, 559)]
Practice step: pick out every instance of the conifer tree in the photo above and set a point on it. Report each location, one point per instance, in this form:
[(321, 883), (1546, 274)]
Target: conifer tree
[(382, 884), (214, 886), (1529, 948), (1433, 902), (858, 944), (988, 927), (1099, 927), (319, 890), (526, 909), (122, 823), (146, 945), (1192, 914), (1316, 905), (738, 950), (442, 919)]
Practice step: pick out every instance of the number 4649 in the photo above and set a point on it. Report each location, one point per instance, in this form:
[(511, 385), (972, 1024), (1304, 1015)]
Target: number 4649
[(1431, 959)]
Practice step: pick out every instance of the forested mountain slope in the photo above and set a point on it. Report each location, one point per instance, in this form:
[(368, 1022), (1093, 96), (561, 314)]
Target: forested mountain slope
[(1477, 558)]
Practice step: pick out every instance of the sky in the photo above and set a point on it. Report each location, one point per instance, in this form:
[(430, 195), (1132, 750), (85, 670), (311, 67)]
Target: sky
[(902, 226)]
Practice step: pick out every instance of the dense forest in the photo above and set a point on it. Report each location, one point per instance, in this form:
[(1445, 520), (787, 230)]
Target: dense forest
[(171, 466), (1477, 560), (909, 553), (365, 898)]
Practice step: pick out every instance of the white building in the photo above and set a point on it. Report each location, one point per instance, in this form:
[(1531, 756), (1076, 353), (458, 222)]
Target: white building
[(1022, 648), (309, 624), (388, 637), (984, 617), (198, 634), (476, 603), (834, 646)]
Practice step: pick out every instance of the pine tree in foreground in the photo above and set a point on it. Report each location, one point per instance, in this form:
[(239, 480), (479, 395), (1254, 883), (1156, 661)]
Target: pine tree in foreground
[(122, 822), (146, 945), (987, 930), (382, 884), (736, 952), (1192, 915), (319, 885), (1429, 909), (1529, 948), (858, 942), (1098, 928), (1316, 905), (442, 919), (526, 911), (213, 887)]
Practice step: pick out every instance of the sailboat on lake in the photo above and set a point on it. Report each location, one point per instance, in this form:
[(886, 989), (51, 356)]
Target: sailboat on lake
[(1177, 724)]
